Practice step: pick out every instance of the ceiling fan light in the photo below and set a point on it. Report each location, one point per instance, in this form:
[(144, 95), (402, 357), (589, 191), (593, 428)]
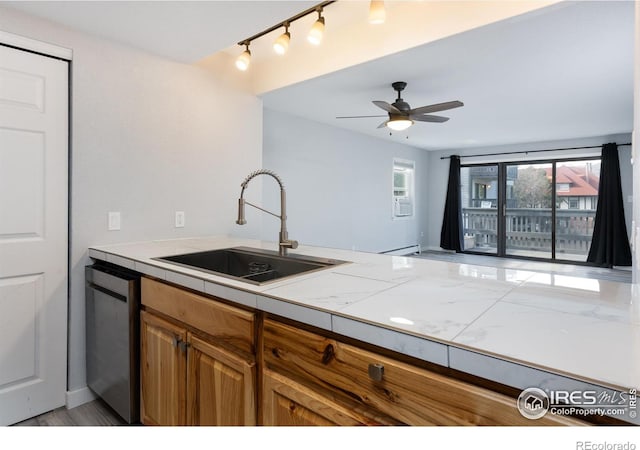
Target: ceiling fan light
[(377, 13), (281, 44), (243, 61), (399, 124), (316, 32)]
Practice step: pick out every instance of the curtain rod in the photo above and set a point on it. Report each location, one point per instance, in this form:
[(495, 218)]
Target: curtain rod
[(531, 151)]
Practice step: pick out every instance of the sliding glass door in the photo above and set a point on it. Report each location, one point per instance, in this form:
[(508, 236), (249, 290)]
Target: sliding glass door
[(577, 184), (479, 190), (528, 212), (541, 209)]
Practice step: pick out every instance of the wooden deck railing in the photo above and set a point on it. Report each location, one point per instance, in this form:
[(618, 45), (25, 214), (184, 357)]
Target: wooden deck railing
[(530, 229)]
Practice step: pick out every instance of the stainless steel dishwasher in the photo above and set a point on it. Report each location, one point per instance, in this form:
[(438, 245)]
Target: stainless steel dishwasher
[(112, 331)]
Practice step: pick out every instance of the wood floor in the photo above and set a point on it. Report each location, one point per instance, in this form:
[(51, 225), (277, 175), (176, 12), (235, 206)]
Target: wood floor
[(95, 413)]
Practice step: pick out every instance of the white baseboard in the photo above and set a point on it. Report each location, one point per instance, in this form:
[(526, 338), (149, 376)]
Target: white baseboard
[(79, 397), (409, 250)]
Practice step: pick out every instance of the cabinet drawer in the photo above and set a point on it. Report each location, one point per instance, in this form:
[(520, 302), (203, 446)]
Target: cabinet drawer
[(410, 394), (225, 323)]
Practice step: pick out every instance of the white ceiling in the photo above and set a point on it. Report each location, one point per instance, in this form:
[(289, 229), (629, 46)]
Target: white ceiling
[(185, 31), (558, 73), (561, 72)]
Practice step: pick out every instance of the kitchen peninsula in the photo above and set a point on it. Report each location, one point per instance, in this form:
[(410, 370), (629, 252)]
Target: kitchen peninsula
[(516, 328)]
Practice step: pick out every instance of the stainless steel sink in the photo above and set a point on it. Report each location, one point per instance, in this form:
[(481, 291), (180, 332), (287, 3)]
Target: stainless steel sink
[(251, 265)]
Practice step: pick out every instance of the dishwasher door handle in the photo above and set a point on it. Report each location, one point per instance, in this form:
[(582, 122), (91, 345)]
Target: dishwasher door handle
[(107, 292)]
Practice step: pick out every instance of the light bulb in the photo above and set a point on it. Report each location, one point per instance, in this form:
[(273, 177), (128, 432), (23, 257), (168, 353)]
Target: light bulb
[(399, 124), (243, 61), (281, 44), (377, 13), (316, 32)]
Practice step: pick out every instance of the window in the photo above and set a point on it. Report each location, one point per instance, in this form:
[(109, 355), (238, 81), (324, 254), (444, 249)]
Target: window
[(574, 203), (403, 180)]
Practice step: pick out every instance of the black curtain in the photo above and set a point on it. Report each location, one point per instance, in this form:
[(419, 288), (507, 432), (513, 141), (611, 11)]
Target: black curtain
[(451, 233), (610, 244)]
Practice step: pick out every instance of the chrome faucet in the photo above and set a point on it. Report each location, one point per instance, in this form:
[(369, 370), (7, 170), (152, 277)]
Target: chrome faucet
[(285, 243)]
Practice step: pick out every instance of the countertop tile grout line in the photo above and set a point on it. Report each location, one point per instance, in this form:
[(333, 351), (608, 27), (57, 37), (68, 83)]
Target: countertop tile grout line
[(483, 313)]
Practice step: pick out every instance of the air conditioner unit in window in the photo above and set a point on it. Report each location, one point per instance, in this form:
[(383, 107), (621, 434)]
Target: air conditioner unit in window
[(403, 207)]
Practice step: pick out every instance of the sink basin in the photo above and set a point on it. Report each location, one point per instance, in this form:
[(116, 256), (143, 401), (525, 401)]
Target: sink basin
[(251, 265)]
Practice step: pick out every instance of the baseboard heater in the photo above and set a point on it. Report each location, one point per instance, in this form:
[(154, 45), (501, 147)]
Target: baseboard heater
[(403, 251)]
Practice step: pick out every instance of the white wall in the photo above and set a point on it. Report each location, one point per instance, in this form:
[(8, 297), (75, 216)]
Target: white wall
[(636, 164), (149, 137), (338, 186), (439, 171)]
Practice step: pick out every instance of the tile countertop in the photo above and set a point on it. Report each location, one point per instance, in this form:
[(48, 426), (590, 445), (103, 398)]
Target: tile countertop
[(520, 328)]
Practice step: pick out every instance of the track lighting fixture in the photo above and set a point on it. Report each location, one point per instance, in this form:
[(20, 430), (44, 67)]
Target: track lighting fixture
[(317, 30), (377, 13), (243, 61), (281, 44)]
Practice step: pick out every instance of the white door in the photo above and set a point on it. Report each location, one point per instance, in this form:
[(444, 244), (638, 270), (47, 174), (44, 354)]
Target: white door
[(33, 233)]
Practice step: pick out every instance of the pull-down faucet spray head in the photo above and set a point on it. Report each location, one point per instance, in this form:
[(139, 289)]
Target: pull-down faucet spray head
[(241, 220)]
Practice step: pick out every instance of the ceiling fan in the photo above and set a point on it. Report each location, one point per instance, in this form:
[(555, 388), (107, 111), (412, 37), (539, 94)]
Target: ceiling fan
[(401, 116)]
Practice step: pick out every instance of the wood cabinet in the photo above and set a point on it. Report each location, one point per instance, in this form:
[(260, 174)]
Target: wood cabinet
[(191, 376), (220, 386), (380, 385), (288, 403), (199, 367), (162, 372)]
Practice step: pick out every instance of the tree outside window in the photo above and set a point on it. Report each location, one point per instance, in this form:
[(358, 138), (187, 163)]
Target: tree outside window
[(532, 188)]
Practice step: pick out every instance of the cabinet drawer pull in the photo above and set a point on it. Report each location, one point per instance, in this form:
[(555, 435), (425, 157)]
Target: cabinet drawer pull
[(376, 371), (183, 345)]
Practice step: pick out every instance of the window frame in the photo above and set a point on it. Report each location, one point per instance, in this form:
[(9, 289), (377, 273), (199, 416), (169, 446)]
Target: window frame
[(502, 164), (409, 168)]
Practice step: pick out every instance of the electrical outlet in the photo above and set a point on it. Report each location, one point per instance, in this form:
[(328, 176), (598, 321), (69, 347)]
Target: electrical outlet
[(113, 223), (179, 219)]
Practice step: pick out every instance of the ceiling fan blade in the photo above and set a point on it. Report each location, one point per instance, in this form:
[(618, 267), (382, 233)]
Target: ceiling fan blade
[(387, 107), (358, 117), (436, 107), (425, 118), (383, 124)]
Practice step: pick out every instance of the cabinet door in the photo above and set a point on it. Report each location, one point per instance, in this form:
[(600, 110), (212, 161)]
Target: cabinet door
[(162, 371), (220, 386), (289, 403)]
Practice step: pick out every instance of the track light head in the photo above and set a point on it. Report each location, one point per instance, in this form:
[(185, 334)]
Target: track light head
[(243, 61), (377, 13), (317, 30), (281, 44)]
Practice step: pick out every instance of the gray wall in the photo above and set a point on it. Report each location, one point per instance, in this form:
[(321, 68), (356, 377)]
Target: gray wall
[(438, 171), (338, 186), (149, 137)]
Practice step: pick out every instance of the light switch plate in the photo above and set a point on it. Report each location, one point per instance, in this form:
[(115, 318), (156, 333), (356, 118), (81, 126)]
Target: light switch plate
[(180, 219), (114, 221)]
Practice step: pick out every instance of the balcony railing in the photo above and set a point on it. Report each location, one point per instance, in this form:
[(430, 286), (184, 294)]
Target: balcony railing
[(529, 230)]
